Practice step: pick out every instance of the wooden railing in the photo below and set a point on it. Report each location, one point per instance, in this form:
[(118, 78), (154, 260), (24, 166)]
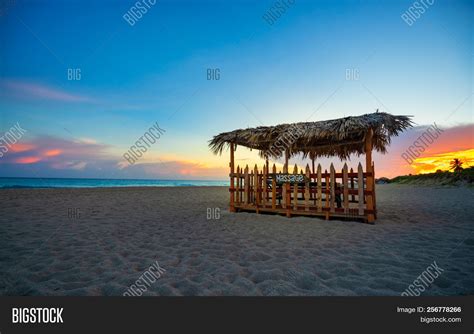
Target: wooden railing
[(329, 194)]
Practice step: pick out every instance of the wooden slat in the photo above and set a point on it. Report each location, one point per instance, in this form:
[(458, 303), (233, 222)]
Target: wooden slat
[(319, 190), (246, 185), (267, 168), (274, 188), (312, 176), (306, 189), (332, 187), (345, 184), (326, 180), (286, 187), (232, 184), (264, 185), (256, 187), (288, 199), (373, 191), (352, 184), (295, 190), (370, 179), (251, 184), (360, 187), (237, 198)]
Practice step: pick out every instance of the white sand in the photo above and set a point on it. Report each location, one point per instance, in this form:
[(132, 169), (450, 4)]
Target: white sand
[(124, 231)]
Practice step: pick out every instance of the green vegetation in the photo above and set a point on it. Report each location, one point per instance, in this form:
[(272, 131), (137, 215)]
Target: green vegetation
[(463, 176)]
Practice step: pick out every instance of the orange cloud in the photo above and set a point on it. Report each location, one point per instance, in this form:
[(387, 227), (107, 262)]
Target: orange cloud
[(52, 153), (18, 147), (441, 161), (27, 160)]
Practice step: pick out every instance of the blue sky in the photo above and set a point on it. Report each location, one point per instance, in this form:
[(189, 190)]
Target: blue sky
[(155, 71)]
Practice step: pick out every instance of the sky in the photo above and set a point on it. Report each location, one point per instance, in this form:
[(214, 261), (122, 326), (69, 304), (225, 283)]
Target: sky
[(319, 60)]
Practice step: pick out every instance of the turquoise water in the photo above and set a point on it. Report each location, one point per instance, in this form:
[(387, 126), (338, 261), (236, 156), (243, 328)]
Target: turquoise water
[(94, 183)]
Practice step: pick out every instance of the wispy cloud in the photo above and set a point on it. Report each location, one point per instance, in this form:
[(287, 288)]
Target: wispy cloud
[(56, 153), (47, 156), (177, 169), (40, 91)]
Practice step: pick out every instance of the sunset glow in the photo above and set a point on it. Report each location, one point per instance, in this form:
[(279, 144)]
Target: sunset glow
[(441, 161), (27, 160), (52, 153), (21, 147)]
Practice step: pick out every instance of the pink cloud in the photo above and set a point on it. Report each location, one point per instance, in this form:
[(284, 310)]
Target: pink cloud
[(53, 152), (58, 157), (56, 153), (20, 88), (20, 147), (27, 160), (178, 170)]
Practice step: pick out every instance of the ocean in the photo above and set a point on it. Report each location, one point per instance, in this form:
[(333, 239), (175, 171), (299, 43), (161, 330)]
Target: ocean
[(13, 182)]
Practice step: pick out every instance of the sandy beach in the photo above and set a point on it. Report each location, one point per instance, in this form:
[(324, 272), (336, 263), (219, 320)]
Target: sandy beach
[(100, 241)]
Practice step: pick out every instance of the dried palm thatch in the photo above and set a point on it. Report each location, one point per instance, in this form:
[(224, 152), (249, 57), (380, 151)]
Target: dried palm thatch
[(338, 137)]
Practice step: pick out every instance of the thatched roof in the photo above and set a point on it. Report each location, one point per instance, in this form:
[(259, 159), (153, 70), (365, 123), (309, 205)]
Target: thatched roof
[(338, 137)]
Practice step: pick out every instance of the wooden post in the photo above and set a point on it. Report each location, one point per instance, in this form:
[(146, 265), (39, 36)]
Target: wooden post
[(256, 187), (352, 186), (274, 187), (232, 188), (268, 171), (287, 186), (314, 172), (295, 190), (246, 185), (333, 187), (306, 189), (360, 189), (264, 185), (370, 179), (237, 190), (327, 192), (375, 201), (284, 188), (345, 185), (319, 193), (251, 185)]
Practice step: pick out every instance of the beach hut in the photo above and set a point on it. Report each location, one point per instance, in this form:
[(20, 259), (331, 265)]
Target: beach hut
[(314, 191)]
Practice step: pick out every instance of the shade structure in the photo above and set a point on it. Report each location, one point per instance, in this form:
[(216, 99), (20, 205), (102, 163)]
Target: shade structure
[(341, 194), (338, 137)]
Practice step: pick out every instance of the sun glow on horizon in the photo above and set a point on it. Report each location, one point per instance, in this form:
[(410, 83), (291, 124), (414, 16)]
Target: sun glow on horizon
[(441, 161)]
